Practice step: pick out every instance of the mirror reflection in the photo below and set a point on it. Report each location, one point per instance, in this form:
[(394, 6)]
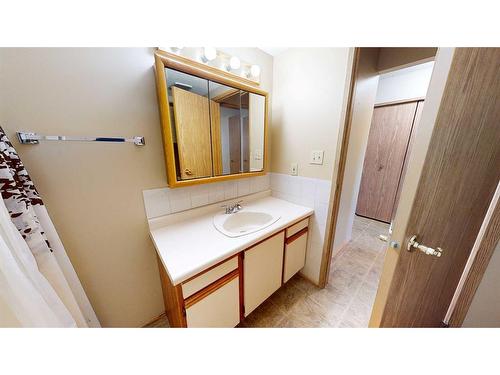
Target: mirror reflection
[(190, 121), (217, 129)]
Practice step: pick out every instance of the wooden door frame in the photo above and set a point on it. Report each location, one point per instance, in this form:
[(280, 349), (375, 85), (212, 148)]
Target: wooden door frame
[(486, 245), (486, 242)]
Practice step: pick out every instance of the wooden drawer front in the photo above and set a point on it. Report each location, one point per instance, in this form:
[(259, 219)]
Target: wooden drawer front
[(197, 283), (295, 256), (262, 271), (295, 228), (219, 309)]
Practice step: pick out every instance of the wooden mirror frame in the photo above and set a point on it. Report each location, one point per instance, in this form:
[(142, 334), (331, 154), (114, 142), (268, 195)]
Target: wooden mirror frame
[(168, 60)]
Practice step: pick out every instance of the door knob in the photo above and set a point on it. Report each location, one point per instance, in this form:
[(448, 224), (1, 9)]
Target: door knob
[(413, 244)]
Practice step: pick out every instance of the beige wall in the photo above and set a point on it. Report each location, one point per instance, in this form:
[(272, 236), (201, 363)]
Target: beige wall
[(484, 310), (364, 99), (93, 192), (398, 57), (308, 92)]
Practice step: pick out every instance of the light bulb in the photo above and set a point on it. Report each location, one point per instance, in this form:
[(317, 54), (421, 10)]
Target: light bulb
[(255, 70), (210, 53), (234, 63)]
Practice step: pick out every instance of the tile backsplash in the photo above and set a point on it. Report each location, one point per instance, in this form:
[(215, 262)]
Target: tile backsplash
[(165, 201)]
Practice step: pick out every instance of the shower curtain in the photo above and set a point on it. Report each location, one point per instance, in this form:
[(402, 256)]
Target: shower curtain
[(38, 285)]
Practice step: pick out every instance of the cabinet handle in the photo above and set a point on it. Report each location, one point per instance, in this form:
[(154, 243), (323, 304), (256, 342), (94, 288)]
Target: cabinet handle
[(188, 171)]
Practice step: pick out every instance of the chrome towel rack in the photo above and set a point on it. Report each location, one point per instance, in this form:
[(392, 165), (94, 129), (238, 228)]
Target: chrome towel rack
[(27, 138)]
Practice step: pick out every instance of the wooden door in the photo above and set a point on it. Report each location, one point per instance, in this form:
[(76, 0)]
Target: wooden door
[(459, 177), (385, 153), (215, 125), (418, 115), (234, 144), (192, 127), (262, 271)]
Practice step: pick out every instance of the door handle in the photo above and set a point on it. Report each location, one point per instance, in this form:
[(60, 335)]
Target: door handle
[(413, 244)]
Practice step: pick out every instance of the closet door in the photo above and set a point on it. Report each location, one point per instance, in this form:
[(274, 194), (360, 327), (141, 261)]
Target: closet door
[(385, 154)]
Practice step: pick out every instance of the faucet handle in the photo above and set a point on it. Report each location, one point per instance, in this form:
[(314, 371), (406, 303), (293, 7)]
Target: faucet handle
[(227, 207)]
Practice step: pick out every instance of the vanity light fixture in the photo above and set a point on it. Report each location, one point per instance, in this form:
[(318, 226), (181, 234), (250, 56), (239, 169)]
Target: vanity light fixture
[(255, 70), (234, 63), (209, 54)]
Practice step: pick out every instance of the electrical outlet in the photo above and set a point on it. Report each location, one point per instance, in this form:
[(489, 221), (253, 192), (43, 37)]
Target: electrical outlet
[(294, 169), (316, 157)]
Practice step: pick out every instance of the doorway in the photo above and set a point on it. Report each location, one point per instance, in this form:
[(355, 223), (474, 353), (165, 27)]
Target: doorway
[(447, 201), (386, 112)]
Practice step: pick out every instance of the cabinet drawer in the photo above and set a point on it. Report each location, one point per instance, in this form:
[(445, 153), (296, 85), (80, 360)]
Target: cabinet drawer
[(295, 228), (295, 255), (199, 282), (219, 309)]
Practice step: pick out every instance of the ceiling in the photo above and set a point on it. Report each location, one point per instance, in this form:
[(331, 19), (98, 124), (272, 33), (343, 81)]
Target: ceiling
[(273, 51)]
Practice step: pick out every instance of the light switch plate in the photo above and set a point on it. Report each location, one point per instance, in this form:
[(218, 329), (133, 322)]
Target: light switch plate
[(317, 157), (294, 169)]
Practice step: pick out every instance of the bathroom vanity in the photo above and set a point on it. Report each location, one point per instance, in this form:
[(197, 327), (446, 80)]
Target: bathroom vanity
[(216, 277)]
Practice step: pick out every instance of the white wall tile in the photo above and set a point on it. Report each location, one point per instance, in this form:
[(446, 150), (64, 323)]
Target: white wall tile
[(180, 199), (159, 202), (243, 187), (216, 192), (200, 196), (323, 188), (307, 191), (230, 189), (156, 202)]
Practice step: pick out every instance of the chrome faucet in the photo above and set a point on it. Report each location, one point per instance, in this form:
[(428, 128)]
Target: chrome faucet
[(232, 208)]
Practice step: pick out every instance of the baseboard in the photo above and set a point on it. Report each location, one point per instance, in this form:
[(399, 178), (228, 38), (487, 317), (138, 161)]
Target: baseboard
[(153, 322)]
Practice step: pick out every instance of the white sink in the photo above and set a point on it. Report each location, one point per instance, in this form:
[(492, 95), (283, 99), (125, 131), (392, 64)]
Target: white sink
[(243, 222)]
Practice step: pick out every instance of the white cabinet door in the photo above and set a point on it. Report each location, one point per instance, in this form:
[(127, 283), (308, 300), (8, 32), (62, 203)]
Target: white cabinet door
[(295, 256), (220, 309), (262, 271)]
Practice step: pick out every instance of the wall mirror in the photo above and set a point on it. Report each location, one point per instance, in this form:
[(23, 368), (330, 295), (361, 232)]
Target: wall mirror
[(214, 124)]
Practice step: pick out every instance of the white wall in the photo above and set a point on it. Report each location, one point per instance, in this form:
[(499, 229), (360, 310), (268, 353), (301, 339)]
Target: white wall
[(308, 92), (308, 99), (484, 310), (364, 98), (407, 83)]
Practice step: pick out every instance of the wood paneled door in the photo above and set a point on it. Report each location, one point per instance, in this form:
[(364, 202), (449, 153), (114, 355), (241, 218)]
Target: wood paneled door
[(458, 180), (192, 127), (388, 141)]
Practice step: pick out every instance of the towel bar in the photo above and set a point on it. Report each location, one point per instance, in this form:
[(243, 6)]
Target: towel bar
[(27, 138)]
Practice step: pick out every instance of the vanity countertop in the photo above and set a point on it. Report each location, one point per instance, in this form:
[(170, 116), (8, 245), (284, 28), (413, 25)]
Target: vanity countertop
[(190, 243)]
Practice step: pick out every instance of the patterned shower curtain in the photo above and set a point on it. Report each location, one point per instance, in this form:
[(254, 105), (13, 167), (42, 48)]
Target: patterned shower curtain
[(28, 213)]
